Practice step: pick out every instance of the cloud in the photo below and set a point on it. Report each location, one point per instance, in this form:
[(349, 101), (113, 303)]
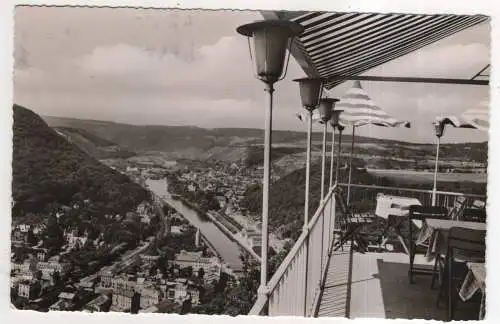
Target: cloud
[(163, 67)]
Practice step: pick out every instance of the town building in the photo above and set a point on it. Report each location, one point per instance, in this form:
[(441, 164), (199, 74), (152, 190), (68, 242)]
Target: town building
[(29, 289), (149, 259), (48, 268), (124, 300), (100, 304), (128, 283), (252, 235), (106, 275), (195, 260), (150, 296), (66, 302)]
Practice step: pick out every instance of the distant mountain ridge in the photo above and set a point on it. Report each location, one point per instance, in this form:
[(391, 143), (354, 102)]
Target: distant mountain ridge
[(233, 143), (48, 169)]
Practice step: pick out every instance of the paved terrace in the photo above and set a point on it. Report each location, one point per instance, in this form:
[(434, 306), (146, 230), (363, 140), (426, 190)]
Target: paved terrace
[(375, 285)]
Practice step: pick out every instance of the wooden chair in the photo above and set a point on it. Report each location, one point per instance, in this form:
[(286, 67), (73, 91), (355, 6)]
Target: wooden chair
[(458, 208), (421, 213), (464, 245), (351, 224)]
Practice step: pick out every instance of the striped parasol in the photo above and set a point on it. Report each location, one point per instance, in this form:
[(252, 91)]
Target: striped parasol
[(477, 118), (359, 109)]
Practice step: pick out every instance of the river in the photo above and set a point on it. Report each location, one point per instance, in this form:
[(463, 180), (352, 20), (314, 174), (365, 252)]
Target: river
[(229, 250)]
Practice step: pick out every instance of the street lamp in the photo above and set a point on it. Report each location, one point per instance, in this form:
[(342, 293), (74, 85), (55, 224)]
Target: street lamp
[(439, 130), (334, 122), (340, 128), (310, 94), (271, 39), (325, 112)]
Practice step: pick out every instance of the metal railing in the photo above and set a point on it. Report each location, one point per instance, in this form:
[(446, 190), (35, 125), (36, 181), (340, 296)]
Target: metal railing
[(294, 289), (365, 196)]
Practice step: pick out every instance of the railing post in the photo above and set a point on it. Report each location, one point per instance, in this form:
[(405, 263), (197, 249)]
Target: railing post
[(323, 169), (305, 228), (265, 189), (331, 187)]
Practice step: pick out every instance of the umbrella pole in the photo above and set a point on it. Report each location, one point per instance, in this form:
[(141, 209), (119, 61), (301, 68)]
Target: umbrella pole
[(434, 189), (350, 166)]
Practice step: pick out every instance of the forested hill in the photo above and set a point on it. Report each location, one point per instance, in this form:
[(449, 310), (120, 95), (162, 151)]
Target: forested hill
[(96, 146), (48, 169)]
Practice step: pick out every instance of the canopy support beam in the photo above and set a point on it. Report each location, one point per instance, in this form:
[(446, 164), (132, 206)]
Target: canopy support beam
[(409, 79)]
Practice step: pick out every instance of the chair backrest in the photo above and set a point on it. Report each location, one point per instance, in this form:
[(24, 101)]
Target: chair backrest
[(474, 215), (458, 208), (468, 240), (424, 212)]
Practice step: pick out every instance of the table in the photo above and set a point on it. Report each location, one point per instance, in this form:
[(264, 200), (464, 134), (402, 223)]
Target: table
[(475, 280), (395, 209), (436, 231)]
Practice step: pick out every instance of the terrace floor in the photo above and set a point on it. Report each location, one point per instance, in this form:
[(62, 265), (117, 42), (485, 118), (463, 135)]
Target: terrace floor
[(375, 285)]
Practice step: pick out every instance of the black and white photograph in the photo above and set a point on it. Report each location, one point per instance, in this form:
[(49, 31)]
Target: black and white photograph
[(250, 162)]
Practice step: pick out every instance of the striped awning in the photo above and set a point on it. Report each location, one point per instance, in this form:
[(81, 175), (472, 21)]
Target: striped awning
[(338, 44), (359, 109), (472, 118)]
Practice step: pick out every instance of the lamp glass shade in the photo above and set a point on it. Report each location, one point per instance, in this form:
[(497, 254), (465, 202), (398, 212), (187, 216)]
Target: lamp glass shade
[(326, 108), (439, 128), (269, 43), (310, 91), (334, 121)]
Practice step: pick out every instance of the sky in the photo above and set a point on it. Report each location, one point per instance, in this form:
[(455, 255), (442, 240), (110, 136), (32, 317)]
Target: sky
[(187, 67)]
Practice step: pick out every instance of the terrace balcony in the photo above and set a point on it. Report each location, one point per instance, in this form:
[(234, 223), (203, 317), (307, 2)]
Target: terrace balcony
[(316, 281)]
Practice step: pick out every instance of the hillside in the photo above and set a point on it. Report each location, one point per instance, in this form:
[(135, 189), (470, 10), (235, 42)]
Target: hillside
[(48, 169), (93, 145), (241, 144)]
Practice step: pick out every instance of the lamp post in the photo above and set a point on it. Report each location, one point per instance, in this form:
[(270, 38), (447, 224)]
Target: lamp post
[(310, 94), (268, 42), (439, 130), (326, 112), (334, 122), (340, 128)]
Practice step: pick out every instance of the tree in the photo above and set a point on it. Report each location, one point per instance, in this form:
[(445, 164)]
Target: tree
[(201, 273), (186, 306), (54, 235), (38, 275), (31, 238), (56, 277)]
